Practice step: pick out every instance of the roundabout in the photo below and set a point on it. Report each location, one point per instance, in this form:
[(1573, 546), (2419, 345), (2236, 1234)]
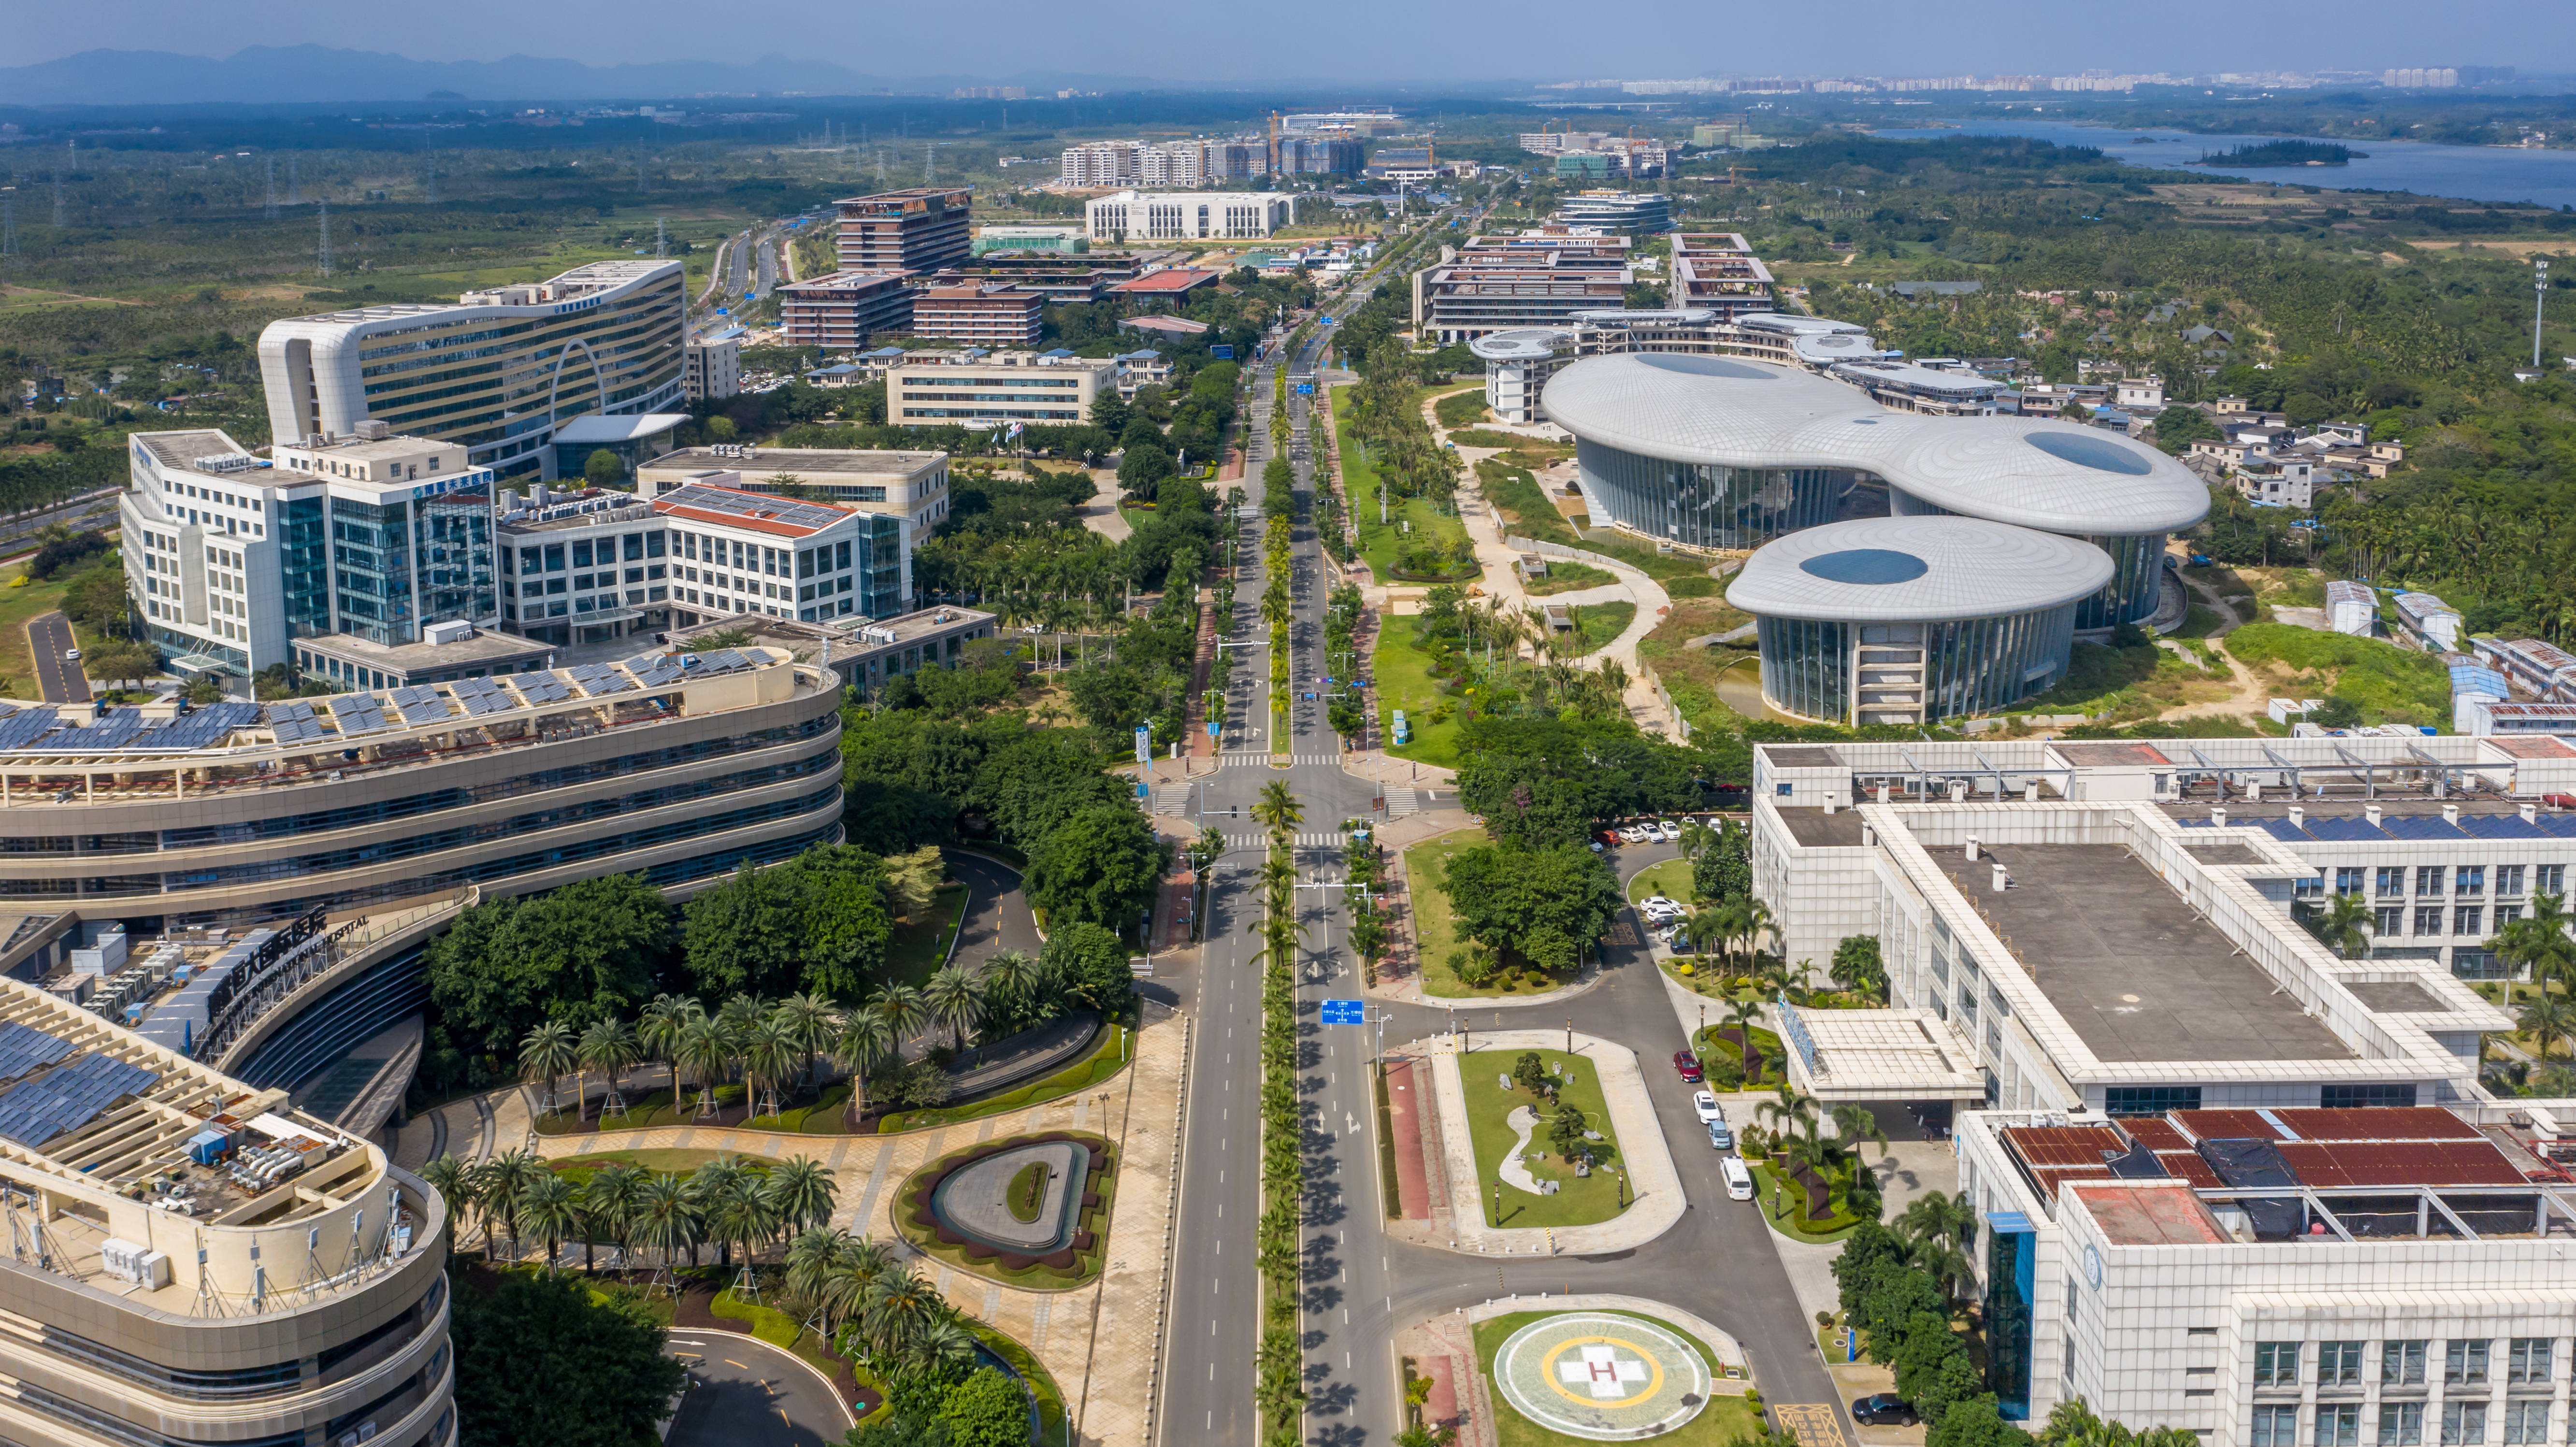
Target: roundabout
[(1601, 1376)]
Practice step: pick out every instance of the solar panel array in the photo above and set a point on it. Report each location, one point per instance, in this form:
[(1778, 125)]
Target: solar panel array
[(357, 713), (420, 704), (200, 728), (115, 729), (480, 696), (26, 726), (23, 1048), (35, 1111), (293, 721), (723, 660), (539, 687), (656, 670), (600, 679)]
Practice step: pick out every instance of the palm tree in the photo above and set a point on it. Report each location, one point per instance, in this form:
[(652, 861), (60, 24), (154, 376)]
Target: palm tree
[(943, 1345), (546, 1053), (2548, 1017), (453, 1182), (1697, 839), (609, 1200), (1731, 920), (608, 1047), (705, 1050), (2343, 925), (1758, 922), (904, 1010), (549, 1207), (955, 998), (708, 1187), (1010, 972), (1743, 1011), (895, 1309), (2539, 942), (810, 1021), (1278, 809), (501, 1183), (800, 1189), (663, 1218), (663, 1023), (769, 1055), (743, 1215), (866, 1038)]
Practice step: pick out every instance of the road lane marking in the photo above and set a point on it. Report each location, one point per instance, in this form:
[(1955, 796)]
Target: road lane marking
[(732, 1363)]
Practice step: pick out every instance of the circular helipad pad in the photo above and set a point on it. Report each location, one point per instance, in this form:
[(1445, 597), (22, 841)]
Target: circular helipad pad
[(1601, 1376)]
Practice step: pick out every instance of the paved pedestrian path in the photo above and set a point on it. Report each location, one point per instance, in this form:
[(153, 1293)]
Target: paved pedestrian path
[(1657, 1184), (1101, 1341)]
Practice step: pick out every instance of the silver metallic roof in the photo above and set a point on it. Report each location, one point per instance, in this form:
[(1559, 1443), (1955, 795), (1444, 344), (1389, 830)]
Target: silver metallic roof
[(1958, 567), (1521, 344), (2035, 472)]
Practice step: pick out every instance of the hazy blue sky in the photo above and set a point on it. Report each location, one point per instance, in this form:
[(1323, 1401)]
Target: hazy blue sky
[(1354, 39)]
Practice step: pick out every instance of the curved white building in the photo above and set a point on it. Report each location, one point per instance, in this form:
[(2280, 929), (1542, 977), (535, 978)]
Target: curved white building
[(1517, 366), (1908, 620), (1722, 452), (497, 371)]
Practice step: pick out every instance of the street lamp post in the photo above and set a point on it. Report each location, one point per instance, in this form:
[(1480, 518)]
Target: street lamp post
[(2539, 300)]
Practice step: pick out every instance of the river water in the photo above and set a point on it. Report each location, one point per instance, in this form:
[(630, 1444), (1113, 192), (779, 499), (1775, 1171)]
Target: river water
[(2475, 173)]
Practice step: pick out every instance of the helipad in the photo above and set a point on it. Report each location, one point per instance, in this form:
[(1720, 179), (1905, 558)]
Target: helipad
[(1601, 1376)]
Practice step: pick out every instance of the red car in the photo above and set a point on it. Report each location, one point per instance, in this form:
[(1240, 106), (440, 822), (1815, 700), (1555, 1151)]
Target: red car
[(1688, 1066), (1608, 837)]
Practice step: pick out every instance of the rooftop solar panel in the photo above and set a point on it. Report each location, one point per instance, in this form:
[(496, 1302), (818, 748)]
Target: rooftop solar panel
[(474, 688), (645, 662), (26, 726), (24, 1048), (425, 711), (35, 1111), (113, 730), (723, 660), (479, 704), (287, 709), (297, 730), (540, 687), (603, 684), (357, 713)]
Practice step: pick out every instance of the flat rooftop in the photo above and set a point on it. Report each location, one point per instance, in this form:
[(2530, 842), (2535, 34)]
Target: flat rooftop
[(2132, 969), (1814, 828), (888, 462), (2419, 819), (484, 648)]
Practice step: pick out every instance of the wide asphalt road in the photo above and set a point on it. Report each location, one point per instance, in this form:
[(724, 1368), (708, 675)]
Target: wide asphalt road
[(744, 1392), (48, 636)]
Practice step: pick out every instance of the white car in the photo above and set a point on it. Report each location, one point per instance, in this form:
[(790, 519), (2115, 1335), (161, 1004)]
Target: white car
[(1668, 829), (1662, 904), (71, 655), (1636, 834), (1705, 1106), (1739, 1179)]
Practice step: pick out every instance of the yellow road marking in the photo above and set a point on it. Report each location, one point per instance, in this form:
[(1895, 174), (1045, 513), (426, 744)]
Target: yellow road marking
[(732, 1363)]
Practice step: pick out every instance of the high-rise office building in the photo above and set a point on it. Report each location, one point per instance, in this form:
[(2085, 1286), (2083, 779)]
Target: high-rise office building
[(921, 229), (497, 371)]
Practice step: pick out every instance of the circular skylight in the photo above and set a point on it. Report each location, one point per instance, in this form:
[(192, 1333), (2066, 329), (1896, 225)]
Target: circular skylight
[(1704, 366), (1866, 565), (2099, 453)]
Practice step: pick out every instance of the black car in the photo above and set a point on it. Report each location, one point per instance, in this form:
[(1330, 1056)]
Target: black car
[(1883, 1409)]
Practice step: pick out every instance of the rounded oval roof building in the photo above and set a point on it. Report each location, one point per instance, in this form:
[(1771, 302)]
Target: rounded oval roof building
[(1917, 569), (1729, 412)]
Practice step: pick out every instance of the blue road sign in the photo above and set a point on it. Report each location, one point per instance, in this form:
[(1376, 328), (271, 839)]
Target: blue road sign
[(1328, 321), (1305, 388), (1215, 728), (1344, 1012)]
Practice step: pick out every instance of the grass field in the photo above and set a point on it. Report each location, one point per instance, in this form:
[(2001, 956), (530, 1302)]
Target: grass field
[(1672, 879), (1596, 624), (1402, 673), (1579, 1200), (1564, 576), (1517, 493), (1726, 1419), (919, 945), (1463, 408), (1692, 673), (1380, 542)]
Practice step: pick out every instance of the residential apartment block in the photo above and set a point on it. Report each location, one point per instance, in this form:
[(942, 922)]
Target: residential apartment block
[(497, 371), (1054, 388), (1188, 215), (712, 366), (920, 229), (844, 309)]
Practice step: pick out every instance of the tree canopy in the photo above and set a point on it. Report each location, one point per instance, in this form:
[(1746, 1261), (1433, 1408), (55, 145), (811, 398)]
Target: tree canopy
[(538, 1361), (586, 950)]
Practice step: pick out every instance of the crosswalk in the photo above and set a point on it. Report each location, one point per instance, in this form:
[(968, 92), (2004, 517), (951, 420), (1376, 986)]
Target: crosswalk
[(1403, 799), (1302, 841), (1261, 759)]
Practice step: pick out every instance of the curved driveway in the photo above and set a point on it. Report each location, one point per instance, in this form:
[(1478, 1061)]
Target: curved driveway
[(743, 1392), (997, 913)]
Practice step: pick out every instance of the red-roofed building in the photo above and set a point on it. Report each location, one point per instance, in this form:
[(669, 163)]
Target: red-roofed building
[(1171, 282)]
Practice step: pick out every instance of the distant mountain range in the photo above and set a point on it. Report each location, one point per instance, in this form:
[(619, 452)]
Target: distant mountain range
[(267, 74)]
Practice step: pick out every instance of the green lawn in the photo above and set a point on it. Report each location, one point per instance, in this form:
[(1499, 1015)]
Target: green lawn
[(1379, 542), (1727, 1418), (1106, 1059), (1516, 491), (1463, 408), (1789, 1221), (919, 945), (1581, 1201), (1567, 577), (665, 1161), (1671, 879), (1401, 671), (1596, 624)]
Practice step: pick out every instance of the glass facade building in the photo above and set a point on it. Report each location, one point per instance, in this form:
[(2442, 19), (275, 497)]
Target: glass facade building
[(2137, 561), (1705, 505), (1856, 673)]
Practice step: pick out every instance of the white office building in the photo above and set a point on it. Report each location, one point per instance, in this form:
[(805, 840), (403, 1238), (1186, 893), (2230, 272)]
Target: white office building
[(1517, 366), (231, 557), (1188, 215), (712, 366), (496, 371)]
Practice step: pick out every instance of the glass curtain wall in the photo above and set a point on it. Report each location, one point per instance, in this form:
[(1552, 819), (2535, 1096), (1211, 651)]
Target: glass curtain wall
[(2131, 595), (304, 559), (1704, 505), (453, 537), (1971, 666), (371, 569)]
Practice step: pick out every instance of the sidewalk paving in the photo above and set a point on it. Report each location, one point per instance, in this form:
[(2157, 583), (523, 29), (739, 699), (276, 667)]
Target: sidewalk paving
[(1657, 1202)]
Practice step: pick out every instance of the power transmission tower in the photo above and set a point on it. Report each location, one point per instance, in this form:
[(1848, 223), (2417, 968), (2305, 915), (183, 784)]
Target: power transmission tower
[(430, 165), (929, 158), (294, 185), (270, 209), (8, 220), (880, 165), (661, 240), (58, 196), (323, 210)]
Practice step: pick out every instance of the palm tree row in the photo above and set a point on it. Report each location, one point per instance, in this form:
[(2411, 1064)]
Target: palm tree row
[(774, 1048), (723, 1202), (1800, 1135), (1279, 1391), (865, 1297)]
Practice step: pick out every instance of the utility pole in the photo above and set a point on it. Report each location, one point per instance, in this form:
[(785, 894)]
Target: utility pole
[(8, 220), (661, 239), (294, 184), (322, 210), (58, 192), (429, 166), (269, 210)]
